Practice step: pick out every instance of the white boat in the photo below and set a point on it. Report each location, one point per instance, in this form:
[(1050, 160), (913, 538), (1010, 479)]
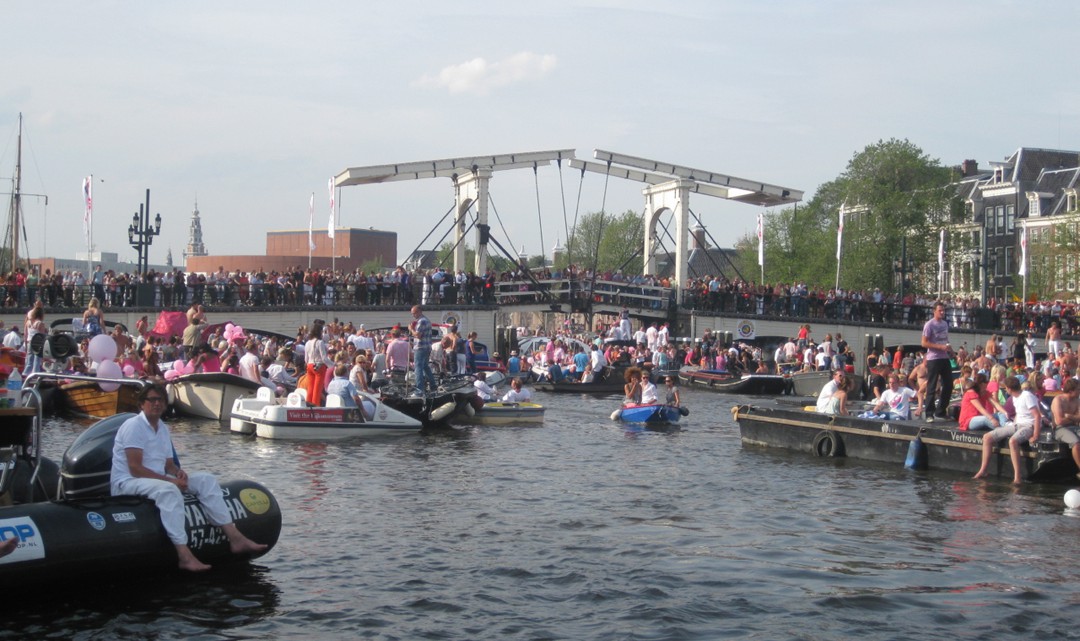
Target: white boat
[(269, 417), (209, 394), (499, 413)]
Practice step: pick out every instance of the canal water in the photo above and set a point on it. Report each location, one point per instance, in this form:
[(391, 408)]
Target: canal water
[(585, 528)]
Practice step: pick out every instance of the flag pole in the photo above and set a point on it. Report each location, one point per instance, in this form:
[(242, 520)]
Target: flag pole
[(839, 244), (761, 244), (941, 265), (1023, 268), (310, 231)]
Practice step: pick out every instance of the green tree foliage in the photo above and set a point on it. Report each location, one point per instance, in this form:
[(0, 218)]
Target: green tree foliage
[(608, 242), (889, 190)]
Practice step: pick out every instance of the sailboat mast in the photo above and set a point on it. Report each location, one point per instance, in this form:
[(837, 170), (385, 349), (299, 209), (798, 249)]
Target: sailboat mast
[(16, 202)]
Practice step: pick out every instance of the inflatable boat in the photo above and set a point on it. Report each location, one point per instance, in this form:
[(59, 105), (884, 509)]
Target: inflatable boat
[(69, 528)]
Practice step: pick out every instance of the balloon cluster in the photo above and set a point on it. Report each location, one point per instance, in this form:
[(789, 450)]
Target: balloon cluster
[(234, 334), (102, 351), (178, 369)]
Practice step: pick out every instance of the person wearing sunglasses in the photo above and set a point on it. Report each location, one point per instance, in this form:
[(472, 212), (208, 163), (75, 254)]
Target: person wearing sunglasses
[(144, 464)]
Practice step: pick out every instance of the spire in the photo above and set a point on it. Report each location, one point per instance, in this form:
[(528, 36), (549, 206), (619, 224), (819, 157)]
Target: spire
[(195, 246)]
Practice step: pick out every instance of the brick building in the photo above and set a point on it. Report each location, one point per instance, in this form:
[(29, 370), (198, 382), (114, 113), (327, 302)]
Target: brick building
[(350, 249)]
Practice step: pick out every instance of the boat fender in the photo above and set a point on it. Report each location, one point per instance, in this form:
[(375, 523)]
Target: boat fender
[(916, 455), (616, 415), (442, 411), (684, 411), (827, 444), (470, 411), (171, 392)]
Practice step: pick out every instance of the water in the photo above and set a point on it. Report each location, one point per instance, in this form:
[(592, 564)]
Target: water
[(584, 529)]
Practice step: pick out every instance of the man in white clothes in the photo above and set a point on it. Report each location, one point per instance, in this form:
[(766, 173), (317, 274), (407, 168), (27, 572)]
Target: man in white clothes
[(517, 393), (1025, 427), (825, 397), (484, 391)]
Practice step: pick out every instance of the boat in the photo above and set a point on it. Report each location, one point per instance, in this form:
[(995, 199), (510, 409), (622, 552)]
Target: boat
[(649, 413), (500, 413), (83, 395), (269, 417), (434, 408), (943, 445), (809, 384), (723, 381), (70, 530), (610, 381), (209, 394)]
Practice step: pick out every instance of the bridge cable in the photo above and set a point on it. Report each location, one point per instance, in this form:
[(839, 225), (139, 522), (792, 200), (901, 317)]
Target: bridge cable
[(455, 245), (539, 217), (577, 208), (566, 230), (717, 245), (433, 230)]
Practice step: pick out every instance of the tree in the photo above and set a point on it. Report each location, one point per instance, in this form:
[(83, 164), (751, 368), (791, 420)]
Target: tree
[(608, 242)]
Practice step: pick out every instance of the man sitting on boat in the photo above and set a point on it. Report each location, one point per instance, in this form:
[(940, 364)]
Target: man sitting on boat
[(144, 464), (484, 391), (895, 401), (1026, 427), (1066, 412), (343, 388), (517, 393), (825, 397)]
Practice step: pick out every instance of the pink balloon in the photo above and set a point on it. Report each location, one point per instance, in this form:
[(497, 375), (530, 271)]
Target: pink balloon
[(129, 370), (171, 375), (102, 348), (189, 369), (109, 369)]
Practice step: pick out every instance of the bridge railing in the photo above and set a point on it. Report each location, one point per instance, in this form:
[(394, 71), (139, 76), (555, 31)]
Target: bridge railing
[(577, 292)]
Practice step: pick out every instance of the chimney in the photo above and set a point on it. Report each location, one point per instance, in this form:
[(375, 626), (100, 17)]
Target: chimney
[(698, 238), (969, 168)]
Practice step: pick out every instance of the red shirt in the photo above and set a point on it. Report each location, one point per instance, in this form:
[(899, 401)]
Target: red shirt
[(968, 411)]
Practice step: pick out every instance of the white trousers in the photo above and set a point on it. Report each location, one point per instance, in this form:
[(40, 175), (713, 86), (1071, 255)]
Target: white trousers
[(170, 501)]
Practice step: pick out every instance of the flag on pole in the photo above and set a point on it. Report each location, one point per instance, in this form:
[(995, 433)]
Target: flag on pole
[(839, 234), (330, 227), (941, 252), (761, 239), (1023, 251), (311, 222), (88, 207)]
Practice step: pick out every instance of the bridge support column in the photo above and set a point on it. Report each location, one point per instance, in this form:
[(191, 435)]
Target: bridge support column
[(470, 188), (673, 195)]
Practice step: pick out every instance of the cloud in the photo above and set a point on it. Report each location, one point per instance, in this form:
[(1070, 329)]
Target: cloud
[(478, 76)]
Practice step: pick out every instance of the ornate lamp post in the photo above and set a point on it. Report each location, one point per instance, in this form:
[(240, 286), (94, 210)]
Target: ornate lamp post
[(141, 234)]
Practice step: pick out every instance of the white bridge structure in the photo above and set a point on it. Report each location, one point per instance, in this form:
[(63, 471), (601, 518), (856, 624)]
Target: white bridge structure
[(668, 189)]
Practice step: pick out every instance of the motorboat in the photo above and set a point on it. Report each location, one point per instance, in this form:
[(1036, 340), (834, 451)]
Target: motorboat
[(649, 413), (724, 381), (503, 413), (209, 394), (292, 418), (70, 530)]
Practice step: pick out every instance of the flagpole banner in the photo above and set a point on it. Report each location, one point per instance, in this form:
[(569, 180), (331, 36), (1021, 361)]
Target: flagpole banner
[(330, 227), (941, 251), (1023, 250), (840, 234), (311, 222), (88, 208), (761, 239)]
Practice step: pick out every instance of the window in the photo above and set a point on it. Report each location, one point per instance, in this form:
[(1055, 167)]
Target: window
[(1000, 229), (1070, 200), (988, 219), (1010, 268), (1070, 275), (1010, 217)]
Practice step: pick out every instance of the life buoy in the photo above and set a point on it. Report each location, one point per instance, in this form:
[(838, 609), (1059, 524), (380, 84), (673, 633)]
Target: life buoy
[(827, 444)]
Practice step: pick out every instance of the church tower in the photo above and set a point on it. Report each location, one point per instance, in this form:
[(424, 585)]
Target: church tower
[(195, 246)]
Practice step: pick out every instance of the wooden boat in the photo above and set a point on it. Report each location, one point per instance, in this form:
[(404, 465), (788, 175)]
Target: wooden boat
[(651, 413), (724, 381), (209, 394), (611, 381), (434, 408), (809, 384), (83, 395), (268, 417), (944, 446), (500, 413)]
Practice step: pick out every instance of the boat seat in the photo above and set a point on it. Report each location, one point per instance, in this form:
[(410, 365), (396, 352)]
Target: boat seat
[(333, 400), (295, 399), (265, 394)]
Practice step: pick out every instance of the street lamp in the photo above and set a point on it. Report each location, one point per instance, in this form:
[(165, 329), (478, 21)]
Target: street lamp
[(141, 234)]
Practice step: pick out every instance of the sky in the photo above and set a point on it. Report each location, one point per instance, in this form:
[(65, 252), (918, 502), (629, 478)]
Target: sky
[(248, 108)]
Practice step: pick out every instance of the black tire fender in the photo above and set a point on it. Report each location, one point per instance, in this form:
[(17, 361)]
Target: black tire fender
[(827, 444)]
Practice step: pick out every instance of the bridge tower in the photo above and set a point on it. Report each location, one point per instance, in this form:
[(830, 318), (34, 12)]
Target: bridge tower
[(668, 189)]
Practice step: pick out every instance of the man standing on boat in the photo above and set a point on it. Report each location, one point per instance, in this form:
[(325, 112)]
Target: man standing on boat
[(421, 331), (144, 464), (935, 338)]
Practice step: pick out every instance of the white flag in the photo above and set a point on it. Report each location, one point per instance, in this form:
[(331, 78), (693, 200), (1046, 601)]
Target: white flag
[(839, 234), (330, 227), (761, 239), (88, 207), (941, 252), (310, 222), (1023, 251)]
